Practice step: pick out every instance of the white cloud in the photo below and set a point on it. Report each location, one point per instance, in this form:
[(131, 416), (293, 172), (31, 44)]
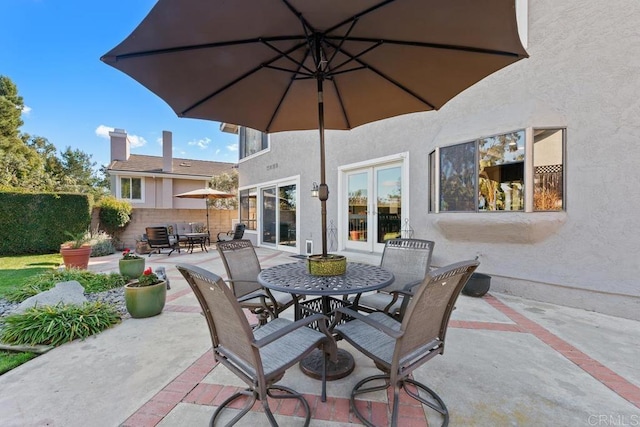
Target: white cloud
[(202, 143), (218, 151), (26, 110), (103, 131), (232, 147), (136, 141), (159, 141)]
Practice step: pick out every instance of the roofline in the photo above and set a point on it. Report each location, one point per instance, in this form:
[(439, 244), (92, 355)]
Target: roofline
[(117, 172)]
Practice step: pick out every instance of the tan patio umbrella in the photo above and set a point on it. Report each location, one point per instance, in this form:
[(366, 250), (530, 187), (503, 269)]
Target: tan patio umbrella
[(205, 193), (281, 65)]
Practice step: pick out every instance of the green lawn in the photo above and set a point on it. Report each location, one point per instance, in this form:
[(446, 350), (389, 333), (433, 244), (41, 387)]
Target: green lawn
[(10, 360), (15, 269)]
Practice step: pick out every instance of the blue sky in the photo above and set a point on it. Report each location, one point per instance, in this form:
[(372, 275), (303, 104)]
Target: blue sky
[(51, 50)]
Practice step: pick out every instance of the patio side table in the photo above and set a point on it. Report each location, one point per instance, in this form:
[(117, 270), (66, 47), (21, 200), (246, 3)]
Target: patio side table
[(295, 279)]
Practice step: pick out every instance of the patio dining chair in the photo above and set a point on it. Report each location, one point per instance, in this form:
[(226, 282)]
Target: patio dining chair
[(158, 238), (235, 234), (243, 266), (259, 357), (399, 347), (409, 261)]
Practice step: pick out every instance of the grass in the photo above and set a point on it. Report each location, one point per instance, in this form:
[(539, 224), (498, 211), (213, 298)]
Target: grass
[(15, 270), (10, 360)]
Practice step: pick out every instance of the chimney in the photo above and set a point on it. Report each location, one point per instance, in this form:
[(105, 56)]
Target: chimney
[(167, 151), (120, 145)]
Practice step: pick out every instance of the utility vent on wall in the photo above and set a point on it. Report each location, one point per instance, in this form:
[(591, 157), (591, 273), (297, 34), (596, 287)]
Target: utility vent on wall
[(309, 247)]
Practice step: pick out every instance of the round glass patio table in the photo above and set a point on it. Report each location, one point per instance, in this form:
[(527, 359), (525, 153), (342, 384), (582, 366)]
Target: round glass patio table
[(294, 278)]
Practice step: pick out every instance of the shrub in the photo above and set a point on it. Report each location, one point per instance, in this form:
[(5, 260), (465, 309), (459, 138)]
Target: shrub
[(114, 215), (101, 245), (55, 325), (92, 282)]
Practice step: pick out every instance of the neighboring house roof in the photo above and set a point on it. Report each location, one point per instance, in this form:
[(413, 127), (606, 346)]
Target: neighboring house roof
[(153, 164)]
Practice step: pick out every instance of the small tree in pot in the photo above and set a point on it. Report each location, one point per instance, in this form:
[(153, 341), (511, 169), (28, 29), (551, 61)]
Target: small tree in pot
[(76, 252)]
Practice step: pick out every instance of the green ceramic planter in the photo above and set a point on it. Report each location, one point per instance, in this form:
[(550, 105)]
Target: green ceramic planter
[(145, 301), (330, 265), (131, 268)]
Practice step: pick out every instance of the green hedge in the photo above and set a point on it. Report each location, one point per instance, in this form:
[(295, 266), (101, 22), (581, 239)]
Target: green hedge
[(35, 223)]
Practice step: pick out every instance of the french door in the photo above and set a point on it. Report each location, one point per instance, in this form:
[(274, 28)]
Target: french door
[(279, 216), (373, 200)]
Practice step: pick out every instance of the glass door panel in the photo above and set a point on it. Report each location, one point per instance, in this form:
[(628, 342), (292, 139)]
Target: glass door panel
[(389, 203), (269, 216), (358, 202), (287, 215)]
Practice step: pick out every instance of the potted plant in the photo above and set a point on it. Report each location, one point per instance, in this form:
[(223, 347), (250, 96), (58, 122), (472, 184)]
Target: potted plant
[(326, 265), (76, 252), (131, 265), (146, 296)]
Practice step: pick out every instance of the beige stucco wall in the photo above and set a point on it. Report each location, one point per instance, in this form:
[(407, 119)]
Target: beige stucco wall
[(583, 74), (219, 220)]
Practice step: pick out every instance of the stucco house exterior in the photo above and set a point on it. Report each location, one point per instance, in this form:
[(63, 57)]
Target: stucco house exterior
[(150, 183), (532, 170)]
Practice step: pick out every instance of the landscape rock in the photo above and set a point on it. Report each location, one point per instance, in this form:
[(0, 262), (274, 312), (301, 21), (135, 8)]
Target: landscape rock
[(70, 292)]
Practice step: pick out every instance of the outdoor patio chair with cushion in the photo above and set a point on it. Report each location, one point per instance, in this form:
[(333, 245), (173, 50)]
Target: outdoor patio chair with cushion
[(159, 238), (235, 234), (409, 261), (259, 357), (398, 348), (242, 266)]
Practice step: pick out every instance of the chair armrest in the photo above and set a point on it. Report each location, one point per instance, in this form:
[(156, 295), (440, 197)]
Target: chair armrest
[(224, 233), (379, 326), (296, 325)]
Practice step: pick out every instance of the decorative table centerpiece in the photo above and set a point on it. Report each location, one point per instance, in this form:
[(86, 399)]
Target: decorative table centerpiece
[(146, 296), (327, 265), (131, 265)]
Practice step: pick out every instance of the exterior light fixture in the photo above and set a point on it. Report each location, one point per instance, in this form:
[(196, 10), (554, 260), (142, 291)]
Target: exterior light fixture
[(314, 189)]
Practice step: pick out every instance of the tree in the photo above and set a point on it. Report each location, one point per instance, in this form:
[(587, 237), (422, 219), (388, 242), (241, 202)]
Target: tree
[(229, 184), (32, 163)]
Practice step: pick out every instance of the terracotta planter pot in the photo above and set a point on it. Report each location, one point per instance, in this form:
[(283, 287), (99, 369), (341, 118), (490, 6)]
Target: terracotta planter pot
[(76, 258), (331, 265), (145, 301), (131, 268)]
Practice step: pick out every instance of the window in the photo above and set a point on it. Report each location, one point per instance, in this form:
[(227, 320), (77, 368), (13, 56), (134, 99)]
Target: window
[(252, 141), (248, 208), (488, 174), (131, 188), (548, 171)]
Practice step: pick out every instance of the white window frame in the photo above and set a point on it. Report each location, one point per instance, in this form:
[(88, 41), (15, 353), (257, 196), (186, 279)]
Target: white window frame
[(131, 177)]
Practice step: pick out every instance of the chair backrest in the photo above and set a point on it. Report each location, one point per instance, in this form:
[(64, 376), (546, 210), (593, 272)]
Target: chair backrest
[(230, 331), (242, 265), (427, 316), (157, 236), (238, 232), (407, 259)]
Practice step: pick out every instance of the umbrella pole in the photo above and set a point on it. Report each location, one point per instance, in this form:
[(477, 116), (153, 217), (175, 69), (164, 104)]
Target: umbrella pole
[(323, 193), (207, 205)]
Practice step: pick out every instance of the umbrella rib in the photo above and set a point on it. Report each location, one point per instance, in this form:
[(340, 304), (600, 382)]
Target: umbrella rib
[(284, 94), (387, 78), (286, 55), (238, 79), (359, 15), (116, 58), (430, 45)]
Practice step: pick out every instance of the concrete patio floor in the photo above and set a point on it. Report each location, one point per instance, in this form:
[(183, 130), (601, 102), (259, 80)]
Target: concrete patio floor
[(508, 361)]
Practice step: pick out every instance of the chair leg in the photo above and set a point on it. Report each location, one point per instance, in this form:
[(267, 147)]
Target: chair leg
[(253, 396), (436, 404)]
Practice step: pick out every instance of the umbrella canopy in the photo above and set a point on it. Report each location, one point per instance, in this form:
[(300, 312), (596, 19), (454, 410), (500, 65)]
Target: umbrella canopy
[(205, 193), (281, 65)]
